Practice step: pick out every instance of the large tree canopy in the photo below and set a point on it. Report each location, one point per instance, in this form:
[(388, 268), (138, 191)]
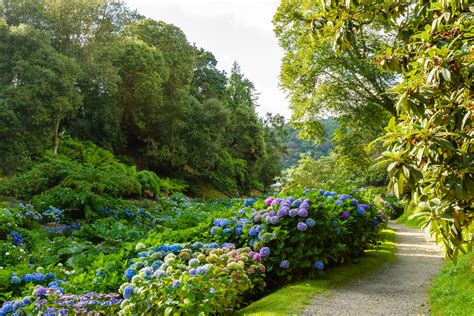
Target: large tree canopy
[(96, 70)]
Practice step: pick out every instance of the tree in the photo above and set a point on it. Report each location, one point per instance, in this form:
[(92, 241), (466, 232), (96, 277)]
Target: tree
[(38, 87), (321, 83), (429, 144), (208, 81)]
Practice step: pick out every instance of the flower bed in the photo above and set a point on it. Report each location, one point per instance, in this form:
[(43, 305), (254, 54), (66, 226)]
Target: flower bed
[(265, 241)]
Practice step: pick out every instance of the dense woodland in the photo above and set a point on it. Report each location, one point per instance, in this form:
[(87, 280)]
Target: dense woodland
[(98, 71)]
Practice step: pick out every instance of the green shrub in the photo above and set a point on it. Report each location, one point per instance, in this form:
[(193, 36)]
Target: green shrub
[(83, 176)]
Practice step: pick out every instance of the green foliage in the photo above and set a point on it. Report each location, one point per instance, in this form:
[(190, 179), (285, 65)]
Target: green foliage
[(97, 71), (298, 146), (83, 176), (429, 147)]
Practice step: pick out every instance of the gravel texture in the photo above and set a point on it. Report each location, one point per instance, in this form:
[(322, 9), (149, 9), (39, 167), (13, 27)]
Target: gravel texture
[(399, 288)]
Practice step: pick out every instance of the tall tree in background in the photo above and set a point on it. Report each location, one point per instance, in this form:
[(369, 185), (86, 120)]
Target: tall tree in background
[(37, 92)]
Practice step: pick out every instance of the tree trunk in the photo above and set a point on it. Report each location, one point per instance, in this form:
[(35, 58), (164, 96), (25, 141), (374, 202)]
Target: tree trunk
[(56, 137)]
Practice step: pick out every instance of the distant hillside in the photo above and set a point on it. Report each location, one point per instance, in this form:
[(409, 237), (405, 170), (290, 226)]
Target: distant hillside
[(298, 146)]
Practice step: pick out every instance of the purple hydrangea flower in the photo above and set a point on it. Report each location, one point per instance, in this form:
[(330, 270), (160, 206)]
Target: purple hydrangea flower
[(303, 212), (257, 256), (345, 215), (319, 265), (365, 206), (264, 251), (274, 220), (301, 226), (283, 211), (285, 264), (41, 291), (304, 206), (354, 202), (272, 213), (269, 201), (176, 283), (306, 191), (192, 272), (293, 212)]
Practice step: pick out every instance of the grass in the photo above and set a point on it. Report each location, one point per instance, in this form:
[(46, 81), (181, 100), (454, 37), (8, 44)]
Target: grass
[(292, 299), (452, 290), (407, 219)]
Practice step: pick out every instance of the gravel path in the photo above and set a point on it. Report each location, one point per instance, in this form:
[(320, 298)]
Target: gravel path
[(400, 288)]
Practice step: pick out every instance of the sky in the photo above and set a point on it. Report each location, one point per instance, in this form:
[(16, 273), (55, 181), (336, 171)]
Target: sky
[(233, 30)]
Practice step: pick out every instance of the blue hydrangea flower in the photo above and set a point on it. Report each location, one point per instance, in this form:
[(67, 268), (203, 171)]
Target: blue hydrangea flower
[(202, 270), (227, 230), (360, 210), (306, 191), (130, 273), (212, 290), (264, 251), (375, 223), (38, 277), (192, 272), (7, 307), (344, 197), (354, 202), (17, 305), (365, 206), (50, 276), (319, 265), (53, 284), (63, 312), (176, 283), (321, 191), (249, 202), (15, 280), (238, 230), (253, 232), (310, 222), (338, 202), (259, 228), (127, 292), (28, 278), (301, 226), (285, 264)]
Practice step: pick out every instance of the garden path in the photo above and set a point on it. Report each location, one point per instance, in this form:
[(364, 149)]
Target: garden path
[(399, 288)]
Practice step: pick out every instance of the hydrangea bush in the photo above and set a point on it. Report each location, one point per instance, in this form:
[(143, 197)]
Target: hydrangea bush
[(226, 260)]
